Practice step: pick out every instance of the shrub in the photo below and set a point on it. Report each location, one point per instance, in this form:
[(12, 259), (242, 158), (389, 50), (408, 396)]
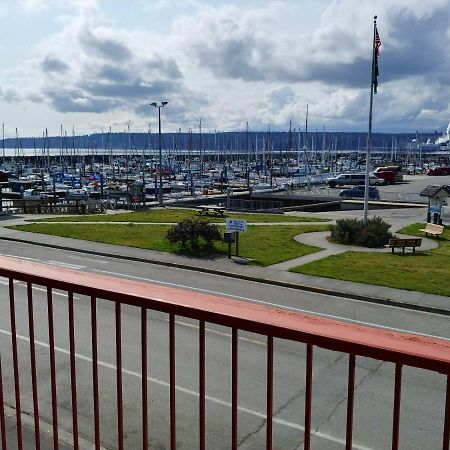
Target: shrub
[(353, 232), (194, 234)]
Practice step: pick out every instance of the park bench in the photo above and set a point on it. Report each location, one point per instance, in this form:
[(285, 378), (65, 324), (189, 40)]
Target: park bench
[(210, 209), (433, 229), (403, 243)]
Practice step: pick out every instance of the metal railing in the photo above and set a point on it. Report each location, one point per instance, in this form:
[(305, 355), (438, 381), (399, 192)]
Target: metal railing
[(237, 316)]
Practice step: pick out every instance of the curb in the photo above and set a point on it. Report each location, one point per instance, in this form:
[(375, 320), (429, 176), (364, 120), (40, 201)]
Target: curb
[(301, 287)]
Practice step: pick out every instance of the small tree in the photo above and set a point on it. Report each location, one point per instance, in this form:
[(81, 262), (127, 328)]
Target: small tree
[(354, 232), (194, 234)]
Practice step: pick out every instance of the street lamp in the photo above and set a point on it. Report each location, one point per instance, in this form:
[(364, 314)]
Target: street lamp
[(160, 192)]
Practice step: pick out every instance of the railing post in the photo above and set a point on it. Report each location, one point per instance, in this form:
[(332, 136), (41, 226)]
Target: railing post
[(37, 435), (234, 388), (308, 396), (173, 421), (73, 373), (119, 377), (95, 392), (350, 401), (269, 394), (396, 412), (144, 378), (51, 340), (2, 409), (202, 385), (446, 438), (12, 309)]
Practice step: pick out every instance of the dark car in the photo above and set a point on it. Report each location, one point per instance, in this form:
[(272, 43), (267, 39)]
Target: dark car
[(358, 192)]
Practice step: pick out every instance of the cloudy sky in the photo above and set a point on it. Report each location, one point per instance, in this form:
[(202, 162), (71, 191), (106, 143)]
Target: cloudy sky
[(92, 64)]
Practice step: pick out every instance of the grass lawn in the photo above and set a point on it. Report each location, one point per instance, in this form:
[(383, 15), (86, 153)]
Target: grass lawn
[(266, 245), (174, 215), (427, 271)]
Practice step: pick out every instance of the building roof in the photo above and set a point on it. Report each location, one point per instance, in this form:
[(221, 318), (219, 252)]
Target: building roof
[(435, 190)]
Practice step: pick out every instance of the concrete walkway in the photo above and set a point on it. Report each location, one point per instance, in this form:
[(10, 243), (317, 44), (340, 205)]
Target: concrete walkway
[(319, 239)]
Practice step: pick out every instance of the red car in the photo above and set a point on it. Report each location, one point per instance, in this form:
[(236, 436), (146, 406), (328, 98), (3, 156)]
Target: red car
[(439, 171), (389, 176)]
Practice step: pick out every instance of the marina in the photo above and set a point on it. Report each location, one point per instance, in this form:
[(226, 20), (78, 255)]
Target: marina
[(85, 180)]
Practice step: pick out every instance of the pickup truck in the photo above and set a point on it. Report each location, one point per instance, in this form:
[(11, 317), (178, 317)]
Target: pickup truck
[(353, 179), (389, 176), (398, 175)]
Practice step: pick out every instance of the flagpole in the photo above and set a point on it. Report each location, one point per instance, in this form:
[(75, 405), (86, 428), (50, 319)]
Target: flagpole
[(369, 135)]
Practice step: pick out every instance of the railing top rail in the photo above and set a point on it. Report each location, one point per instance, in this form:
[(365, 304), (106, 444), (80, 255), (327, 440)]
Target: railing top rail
[(402, 348)]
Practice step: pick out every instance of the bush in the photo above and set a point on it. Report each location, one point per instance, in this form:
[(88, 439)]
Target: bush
[(353, 232), (194, 234)]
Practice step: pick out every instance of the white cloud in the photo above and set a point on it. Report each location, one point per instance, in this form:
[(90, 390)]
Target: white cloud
[(232, 63), (37, 6)]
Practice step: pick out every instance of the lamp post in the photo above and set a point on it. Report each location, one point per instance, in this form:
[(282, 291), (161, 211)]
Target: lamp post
[(160, 191)]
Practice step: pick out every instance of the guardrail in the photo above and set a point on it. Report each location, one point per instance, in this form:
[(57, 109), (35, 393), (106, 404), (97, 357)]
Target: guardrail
[(354, 341)]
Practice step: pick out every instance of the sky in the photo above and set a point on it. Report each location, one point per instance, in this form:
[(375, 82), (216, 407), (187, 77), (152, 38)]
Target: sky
[(88, 65)]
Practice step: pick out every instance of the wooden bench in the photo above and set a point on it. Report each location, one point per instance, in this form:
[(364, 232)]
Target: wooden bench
[(433, 229), (211, 209), (403, 243)]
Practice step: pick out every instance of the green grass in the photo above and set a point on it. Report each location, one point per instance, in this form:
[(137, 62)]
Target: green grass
[(423, 271), (173, 215), (266, 245)]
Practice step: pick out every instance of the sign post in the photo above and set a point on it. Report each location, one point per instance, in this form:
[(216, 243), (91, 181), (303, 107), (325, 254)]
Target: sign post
[(237, 226)]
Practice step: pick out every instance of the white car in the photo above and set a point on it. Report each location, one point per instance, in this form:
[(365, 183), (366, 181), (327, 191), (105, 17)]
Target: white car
[(354, 179)]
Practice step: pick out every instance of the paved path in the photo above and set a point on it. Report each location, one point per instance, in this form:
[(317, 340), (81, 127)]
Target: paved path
[(319, 239)]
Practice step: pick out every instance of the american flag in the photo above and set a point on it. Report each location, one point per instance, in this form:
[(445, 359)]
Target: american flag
[(377, 45)]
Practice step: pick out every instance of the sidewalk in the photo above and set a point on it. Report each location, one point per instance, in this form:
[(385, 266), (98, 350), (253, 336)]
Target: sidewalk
[(276, 274)]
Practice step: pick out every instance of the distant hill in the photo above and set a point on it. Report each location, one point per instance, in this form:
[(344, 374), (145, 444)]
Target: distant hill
[(280, 141)]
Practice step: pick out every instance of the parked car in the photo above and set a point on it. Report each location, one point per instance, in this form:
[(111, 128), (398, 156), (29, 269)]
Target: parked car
[(358, 192), (389, 176), (353, 179), (396, 169), (439, 171)]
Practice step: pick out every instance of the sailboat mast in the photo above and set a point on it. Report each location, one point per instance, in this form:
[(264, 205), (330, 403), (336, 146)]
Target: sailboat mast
[(200, 146), (61, 148), (3, 144), (305, 144), (247, 169)]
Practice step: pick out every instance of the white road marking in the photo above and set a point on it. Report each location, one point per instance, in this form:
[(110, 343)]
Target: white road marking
[(66, 265), (20, 257), (5, 282), (53, 263), (193, 393), (277, 305)]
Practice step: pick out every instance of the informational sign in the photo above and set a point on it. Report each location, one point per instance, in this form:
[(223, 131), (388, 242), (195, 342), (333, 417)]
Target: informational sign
[(236, 225)]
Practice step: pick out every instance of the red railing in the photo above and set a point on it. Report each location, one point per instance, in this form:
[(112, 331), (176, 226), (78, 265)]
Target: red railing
[(355, 341)]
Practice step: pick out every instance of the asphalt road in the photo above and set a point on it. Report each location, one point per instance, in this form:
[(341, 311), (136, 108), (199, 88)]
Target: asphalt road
[(423, 393)]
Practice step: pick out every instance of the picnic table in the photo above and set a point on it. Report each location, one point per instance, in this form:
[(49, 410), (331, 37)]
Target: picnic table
[(211, 209)]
